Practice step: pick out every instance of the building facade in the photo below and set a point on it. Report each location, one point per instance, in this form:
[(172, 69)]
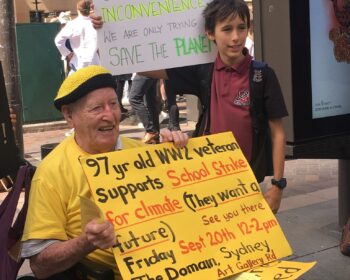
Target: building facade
[(25, 9)]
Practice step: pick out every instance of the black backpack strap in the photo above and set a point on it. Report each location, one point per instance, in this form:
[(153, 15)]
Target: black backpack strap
[(261, 161), (205, 76), (257, 64), (257, 78)]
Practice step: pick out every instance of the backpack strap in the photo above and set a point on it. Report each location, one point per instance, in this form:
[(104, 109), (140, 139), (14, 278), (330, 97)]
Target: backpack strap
[(257, 64), (261, 161), (205, 73), (9, 205), (257, 82), (11, 227), (15, 233), (257, 79)]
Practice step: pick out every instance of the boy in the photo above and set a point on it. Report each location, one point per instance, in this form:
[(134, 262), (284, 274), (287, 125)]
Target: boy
[(225, 91), (229, 95)]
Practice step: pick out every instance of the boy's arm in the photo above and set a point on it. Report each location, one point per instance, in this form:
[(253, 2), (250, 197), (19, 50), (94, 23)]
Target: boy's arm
[(96, 21), (274, 195), (155, 74)]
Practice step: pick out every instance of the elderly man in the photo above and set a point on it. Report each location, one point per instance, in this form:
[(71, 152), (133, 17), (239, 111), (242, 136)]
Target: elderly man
[(53, 238)]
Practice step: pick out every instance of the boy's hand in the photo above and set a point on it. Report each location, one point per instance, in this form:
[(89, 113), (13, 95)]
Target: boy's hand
[(179, 138), (96, 21), (273, 198)]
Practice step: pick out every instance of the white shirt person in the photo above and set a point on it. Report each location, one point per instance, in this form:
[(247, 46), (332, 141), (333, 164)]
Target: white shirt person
[(83, 39)]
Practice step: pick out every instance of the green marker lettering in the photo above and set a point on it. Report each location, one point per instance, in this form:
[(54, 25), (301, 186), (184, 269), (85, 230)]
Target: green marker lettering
[(187, 46), (148, 9)]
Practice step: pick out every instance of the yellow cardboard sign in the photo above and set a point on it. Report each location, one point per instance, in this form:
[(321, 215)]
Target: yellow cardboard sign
[(282, 270), (275, 270), (243, 276), (89, 211), (194, 212)]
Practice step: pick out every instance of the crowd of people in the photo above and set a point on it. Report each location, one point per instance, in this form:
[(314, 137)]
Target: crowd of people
[(89, 99)]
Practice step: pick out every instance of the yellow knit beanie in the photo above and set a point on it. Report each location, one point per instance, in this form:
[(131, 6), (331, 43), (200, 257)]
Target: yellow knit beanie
[(83, 82)]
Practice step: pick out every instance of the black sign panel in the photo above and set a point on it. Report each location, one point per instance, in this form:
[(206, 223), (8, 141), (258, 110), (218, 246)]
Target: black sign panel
[(307, 127), (8, 149)]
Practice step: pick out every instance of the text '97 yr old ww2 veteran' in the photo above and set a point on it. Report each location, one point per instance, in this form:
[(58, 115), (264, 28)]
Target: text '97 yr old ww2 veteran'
[(53, 239)]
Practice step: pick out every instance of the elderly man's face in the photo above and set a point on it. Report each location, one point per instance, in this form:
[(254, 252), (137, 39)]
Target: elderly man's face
[(95, 118)]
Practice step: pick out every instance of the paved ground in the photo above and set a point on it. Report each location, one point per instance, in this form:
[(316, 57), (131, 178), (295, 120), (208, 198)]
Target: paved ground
[(308, 216)]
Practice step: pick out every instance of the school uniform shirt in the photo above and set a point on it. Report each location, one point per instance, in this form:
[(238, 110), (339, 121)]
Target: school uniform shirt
[(265, 99), (230, 102)]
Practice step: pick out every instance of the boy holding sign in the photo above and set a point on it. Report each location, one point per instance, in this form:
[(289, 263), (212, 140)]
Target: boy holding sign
[(231, 98), (237, 94)]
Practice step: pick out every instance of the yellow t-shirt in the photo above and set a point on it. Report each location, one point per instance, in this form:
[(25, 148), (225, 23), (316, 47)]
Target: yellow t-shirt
[(54, 203)]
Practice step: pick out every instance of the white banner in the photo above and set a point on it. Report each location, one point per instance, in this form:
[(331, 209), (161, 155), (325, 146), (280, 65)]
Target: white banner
[(149, 35)]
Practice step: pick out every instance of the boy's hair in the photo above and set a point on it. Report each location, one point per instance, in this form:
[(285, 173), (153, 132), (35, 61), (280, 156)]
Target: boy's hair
[(84, 7), (218, 10)]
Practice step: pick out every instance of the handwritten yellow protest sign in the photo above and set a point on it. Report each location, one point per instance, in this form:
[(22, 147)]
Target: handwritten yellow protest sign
[(89, 211), (193, 212), (282, 270), (243, 276), (275, 270)]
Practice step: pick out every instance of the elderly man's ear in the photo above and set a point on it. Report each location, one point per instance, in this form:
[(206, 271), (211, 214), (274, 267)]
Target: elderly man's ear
[(67, 114)]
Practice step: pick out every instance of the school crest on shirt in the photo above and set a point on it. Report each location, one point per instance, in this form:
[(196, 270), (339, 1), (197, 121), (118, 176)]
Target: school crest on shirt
[(242, 98)]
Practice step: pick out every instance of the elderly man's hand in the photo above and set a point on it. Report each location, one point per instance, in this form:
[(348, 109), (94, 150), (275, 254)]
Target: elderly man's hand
[(179, 138), (100, 235)]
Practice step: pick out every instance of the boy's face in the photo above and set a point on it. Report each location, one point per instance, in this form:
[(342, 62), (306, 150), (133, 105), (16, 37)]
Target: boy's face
[(230, 36)]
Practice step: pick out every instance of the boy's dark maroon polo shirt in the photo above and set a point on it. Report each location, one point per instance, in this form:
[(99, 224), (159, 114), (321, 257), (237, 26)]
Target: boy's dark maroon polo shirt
[(230, 100)]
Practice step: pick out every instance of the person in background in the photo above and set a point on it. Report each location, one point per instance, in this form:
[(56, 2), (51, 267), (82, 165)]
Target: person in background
[(53, 237), (63, 18), (173, 109), (121, 80), (143, 100), (163, 95), (249, 43), (163, 101), (82, 37)]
